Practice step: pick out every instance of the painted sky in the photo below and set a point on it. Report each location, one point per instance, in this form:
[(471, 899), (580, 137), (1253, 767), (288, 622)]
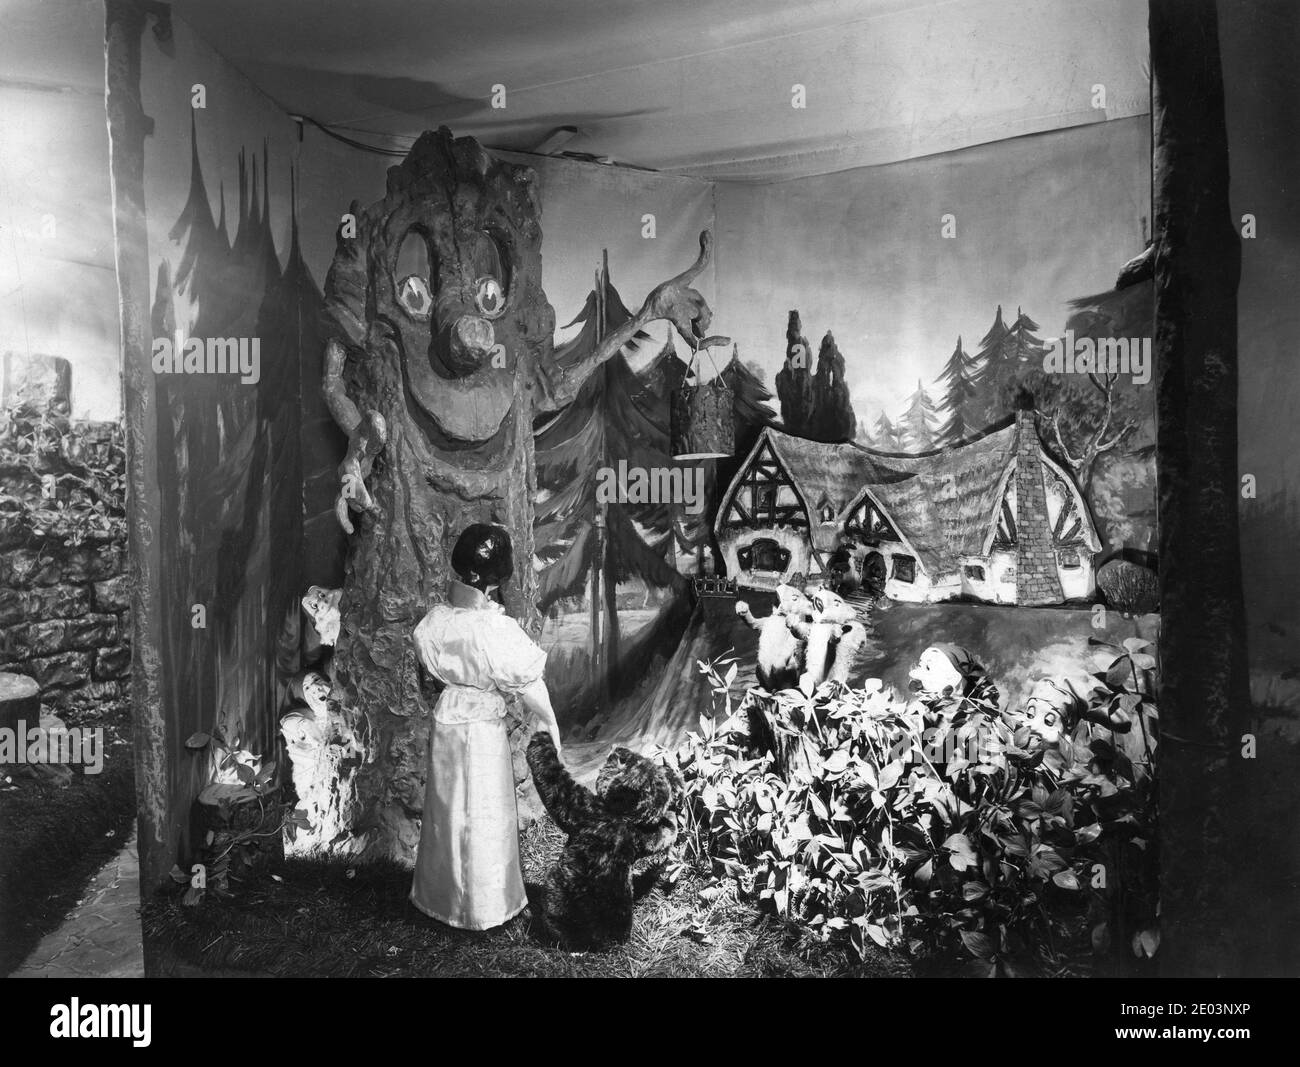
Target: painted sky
[(1039, 220)]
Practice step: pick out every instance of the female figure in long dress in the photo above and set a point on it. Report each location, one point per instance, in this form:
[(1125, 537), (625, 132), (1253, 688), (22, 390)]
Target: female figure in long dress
[(467, 871)]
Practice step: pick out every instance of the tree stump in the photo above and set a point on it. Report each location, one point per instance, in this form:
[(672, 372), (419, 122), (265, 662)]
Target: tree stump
[(20, 701), (238, 834), (771, 728)]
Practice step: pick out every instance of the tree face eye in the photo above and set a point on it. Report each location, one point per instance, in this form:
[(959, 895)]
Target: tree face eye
[(412, 270), (489, 297), (413, 294), (488, 262)]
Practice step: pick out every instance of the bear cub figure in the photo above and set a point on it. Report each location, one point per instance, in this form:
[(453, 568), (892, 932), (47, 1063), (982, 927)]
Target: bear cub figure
[(619, 838)]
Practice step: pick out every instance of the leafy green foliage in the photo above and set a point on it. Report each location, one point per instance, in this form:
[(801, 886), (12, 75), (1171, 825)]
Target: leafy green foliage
[(950, 831), (240, 779)]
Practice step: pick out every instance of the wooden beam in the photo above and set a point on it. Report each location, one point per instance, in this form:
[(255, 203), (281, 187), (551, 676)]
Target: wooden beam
[(1204, 690), (128, 126)]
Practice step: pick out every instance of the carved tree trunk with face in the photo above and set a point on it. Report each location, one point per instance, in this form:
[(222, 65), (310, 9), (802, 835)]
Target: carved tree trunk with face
[(446, 357)]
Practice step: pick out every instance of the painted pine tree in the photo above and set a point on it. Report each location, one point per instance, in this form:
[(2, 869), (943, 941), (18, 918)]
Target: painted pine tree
[(794, 381), (888, 439), (961, 417), (919, 421), (662, 376), (831, 418), (752, 410), (226, 453), (1084, 418), (1025, 349), (586, 543), (1017, 354), (987, 368), (752, 401), (658, 380)]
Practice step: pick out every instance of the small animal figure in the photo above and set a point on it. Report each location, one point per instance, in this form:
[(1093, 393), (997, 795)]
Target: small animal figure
[(323, 608), (831, 636), (780, 650), (624, 829)]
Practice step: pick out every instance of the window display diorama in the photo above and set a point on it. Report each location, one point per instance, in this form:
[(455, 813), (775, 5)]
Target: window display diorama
[(686, 540)]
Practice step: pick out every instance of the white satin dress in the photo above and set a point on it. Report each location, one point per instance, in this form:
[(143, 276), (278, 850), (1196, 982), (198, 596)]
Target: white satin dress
[(467, 871)]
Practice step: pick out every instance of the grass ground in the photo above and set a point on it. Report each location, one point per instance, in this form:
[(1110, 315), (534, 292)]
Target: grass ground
[(322, 921), (54, 837)]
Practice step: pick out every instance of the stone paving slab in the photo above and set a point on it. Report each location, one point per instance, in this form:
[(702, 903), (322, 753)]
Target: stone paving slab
[(101, 938)]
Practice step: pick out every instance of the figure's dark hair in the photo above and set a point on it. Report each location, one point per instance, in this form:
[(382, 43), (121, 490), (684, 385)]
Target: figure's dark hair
[(483, 555)]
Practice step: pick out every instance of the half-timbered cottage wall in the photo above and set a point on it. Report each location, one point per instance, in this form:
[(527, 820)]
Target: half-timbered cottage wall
[(919, 528)]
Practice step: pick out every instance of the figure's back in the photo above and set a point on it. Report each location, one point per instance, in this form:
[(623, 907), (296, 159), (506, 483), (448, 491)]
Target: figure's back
[(478, 648)]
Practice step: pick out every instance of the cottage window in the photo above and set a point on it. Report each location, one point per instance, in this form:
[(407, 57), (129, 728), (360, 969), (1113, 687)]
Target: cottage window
[(1069, 559), (974, 572), (867, 521), (1062, 512), (764, 555), (904, 568), (828, 513), (1006, 531)]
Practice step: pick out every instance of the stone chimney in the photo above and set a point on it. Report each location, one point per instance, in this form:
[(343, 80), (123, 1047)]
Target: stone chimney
[(1037, 579)]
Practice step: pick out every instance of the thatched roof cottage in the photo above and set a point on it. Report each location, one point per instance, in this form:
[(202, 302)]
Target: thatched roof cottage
[(993, 519)]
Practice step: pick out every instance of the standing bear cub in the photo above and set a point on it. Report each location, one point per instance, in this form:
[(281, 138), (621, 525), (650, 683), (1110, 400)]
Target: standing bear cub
[(619, 839)]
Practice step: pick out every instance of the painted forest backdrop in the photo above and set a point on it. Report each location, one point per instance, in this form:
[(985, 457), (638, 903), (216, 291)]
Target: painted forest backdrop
[(242, 216)]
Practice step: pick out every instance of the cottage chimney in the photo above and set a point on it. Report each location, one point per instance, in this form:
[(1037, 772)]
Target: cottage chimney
[(1037, 579)]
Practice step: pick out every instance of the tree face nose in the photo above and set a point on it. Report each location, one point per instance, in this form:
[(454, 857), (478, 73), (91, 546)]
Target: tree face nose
[(472, 341)]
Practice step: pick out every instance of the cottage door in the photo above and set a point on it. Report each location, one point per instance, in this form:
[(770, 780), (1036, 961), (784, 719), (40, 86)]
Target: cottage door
[(873, 573)]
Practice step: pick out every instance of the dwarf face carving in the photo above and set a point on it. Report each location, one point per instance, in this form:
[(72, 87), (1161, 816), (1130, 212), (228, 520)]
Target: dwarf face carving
[(1051, 710), (935, 675), (454, 280), (316, 692)]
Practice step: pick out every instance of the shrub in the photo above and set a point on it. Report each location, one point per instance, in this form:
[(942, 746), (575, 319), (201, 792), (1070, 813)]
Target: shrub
[(953, 836), (1129, 587)]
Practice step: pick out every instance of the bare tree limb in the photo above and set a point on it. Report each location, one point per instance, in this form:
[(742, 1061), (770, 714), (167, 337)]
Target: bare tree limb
[(1055, 423)]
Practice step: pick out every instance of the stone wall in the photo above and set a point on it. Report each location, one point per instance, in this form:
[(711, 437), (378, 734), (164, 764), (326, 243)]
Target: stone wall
[(64, 600)]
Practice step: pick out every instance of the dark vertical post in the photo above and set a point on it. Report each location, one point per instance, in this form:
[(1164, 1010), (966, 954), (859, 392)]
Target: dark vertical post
[(127, 128), (598, 666), (1204, 697)]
